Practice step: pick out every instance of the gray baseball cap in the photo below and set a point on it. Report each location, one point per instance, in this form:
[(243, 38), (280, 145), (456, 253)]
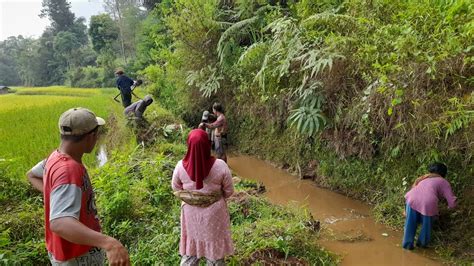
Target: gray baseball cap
[(78, 121), (205, 115)]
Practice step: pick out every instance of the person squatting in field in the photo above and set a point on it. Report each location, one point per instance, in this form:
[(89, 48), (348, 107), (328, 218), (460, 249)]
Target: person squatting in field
[(72, 228), (138, 108), (422, 204)]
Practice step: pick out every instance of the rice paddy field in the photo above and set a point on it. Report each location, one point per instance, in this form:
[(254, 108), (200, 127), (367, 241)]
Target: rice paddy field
[(28, 120)]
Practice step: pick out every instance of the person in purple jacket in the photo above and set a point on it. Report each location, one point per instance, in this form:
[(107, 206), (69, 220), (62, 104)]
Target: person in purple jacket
[(422, 204)]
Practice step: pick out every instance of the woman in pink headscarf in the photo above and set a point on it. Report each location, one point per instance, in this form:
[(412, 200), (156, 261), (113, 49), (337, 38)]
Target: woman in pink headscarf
[(205, 231)]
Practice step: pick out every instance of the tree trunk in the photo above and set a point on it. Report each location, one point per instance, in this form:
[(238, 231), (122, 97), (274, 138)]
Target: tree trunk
[(121, 30)]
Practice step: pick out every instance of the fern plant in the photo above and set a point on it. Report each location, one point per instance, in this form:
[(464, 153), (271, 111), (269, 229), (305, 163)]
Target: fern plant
[(308, 119), (207, 80), (460, 118), (241, 28)]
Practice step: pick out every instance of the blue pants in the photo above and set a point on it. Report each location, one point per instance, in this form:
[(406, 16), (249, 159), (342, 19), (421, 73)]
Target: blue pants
[(126, 97), (411, 223)]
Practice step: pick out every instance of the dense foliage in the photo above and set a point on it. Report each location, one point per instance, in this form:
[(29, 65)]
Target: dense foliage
[(359, 95)]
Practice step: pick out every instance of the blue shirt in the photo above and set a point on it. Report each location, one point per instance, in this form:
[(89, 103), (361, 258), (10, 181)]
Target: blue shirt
[(124, 83)]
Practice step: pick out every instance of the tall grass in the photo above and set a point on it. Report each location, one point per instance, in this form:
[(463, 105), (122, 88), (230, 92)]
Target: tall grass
[(59, 90), (29, 130)]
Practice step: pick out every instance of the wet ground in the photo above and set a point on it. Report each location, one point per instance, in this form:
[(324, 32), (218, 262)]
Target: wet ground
[(350, 229)]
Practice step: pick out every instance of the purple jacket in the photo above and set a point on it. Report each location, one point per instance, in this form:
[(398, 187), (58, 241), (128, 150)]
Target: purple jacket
[(424, 197)]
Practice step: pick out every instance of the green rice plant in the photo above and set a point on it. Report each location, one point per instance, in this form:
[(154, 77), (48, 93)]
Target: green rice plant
[(29, 122), (30, 133), (58, 90)]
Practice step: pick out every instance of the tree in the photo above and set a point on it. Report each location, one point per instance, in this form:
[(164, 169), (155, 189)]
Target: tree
[(79, 29), (61, 45), (9, 50), (54, 66), (28, 63), (103, 32), (65, 44), (128, 16), (149, 4), (58, 11), (115, 8)]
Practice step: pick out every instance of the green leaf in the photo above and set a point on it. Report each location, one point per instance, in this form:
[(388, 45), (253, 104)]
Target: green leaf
[(396, 101), (311, 127), (300, 121), (305, 125)]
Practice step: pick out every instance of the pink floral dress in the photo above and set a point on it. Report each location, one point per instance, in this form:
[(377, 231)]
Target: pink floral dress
[(205, 232)]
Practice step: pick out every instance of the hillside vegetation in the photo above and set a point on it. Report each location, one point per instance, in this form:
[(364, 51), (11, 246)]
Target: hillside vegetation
[(358, 95)]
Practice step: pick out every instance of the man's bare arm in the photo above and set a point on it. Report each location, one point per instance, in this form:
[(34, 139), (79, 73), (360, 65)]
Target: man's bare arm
[(74, 231), (36, 181)]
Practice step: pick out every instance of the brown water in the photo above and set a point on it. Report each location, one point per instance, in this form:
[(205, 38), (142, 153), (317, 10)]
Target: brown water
[(350, 229)]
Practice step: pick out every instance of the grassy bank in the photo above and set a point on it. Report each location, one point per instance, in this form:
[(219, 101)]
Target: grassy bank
[(381, 181), (133, 190), (137, 207)]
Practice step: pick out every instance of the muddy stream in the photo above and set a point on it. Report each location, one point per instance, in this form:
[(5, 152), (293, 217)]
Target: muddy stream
[(349, 228)]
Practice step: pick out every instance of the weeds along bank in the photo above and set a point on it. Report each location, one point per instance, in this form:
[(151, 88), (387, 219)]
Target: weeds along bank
[(359, 95), (137, 206), (133, 189)]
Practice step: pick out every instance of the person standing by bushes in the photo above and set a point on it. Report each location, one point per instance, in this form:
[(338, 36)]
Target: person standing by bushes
[(205, 221), (72, 225), (220, 131), (124, 84), (422, 204)]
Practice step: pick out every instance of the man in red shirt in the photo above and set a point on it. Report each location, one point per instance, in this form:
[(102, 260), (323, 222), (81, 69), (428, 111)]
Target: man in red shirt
[(72, 226)]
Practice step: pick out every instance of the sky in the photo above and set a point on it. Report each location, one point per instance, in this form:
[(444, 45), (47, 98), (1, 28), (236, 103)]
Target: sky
[(20, 17)]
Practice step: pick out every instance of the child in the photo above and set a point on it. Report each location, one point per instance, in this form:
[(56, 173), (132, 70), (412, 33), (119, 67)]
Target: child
[(219, 137), (207, 118), (422, 204)]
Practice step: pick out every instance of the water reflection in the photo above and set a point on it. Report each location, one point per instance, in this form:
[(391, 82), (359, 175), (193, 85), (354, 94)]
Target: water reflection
[(102, 155)]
